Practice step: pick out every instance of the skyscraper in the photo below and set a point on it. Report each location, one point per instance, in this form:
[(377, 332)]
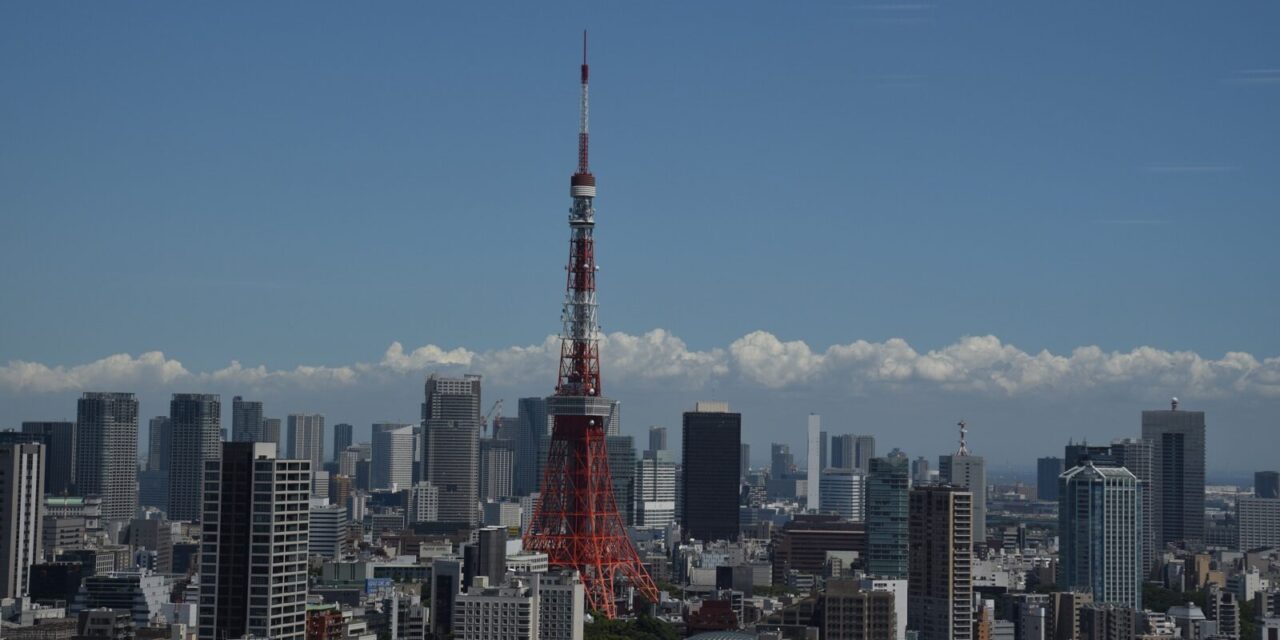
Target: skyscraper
[(621, 451), (746, 460), (246, 420), (657, 438), (249, 590), (60, 455), (1259, 522), (342, 438), (497, 463), (271, 433), (813, 463), (1100, 528), (392, 463), (864, 449), (823, 451), (781, 461), (107, 451), (451, 423), (21, 503), (843, 452), (886, 518), (1177, 441), (963, 469), (1047, 471), (655, 489), (306, 438), (533, 426), (195, 422), (940, 583), (709, 486), (1136, 455), (158, 436), (1266, 484)]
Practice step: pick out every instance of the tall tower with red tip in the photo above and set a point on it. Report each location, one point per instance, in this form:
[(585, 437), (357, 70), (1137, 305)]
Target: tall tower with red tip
[(576, 521)]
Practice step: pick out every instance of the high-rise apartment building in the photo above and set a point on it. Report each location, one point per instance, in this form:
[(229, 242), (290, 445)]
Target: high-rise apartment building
[(306, 438), (107, 451), (195, 421), (451, 423), (1178, 453), (842, 494), (497, 464), (940, 583), (21, 520), (392, 463), (158, 436), (1266, 484), (1259, 522), (59, 455), (709, 485), (271, 433), (246, 420), (655, 489), (886, 518), (1100, 532), (343, 436), (1047, 471), (813, 463), (253, 567), (963, 469)]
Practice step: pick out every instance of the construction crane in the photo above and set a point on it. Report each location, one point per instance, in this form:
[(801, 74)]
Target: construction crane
[(492, 418)]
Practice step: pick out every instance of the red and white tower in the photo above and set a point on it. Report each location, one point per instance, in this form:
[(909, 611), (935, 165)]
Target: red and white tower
[(576, 521)]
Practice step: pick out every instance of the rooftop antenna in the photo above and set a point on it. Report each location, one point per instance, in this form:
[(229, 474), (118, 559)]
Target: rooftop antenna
[(964, 447)]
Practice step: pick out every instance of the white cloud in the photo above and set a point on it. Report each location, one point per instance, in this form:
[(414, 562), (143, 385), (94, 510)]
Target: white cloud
[(395, 358), (974, 364), (121, 368)]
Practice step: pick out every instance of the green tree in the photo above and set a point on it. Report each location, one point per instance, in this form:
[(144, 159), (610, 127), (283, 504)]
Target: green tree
[(643, 627)]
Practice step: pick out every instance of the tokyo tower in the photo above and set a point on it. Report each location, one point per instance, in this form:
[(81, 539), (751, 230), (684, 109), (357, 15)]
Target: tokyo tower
[(576, 521)]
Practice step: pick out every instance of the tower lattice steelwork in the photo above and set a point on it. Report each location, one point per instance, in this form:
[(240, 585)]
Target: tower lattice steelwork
[(576, 521)]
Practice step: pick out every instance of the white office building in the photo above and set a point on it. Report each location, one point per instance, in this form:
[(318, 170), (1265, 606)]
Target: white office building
[(508, 612), (655, 489), (563, 606), (842, 494), (424, 503), (328, 531), (392, 464)]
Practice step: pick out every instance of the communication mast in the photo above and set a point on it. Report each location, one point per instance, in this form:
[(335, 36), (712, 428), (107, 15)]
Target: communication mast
[(576, 520)]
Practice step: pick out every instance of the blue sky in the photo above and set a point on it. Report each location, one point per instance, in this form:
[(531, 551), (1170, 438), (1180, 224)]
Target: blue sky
[(305, 183)]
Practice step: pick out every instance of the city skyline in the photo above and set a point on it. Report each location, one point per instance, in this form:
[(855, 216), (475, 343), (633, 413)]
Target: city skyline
[(909, 313)]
